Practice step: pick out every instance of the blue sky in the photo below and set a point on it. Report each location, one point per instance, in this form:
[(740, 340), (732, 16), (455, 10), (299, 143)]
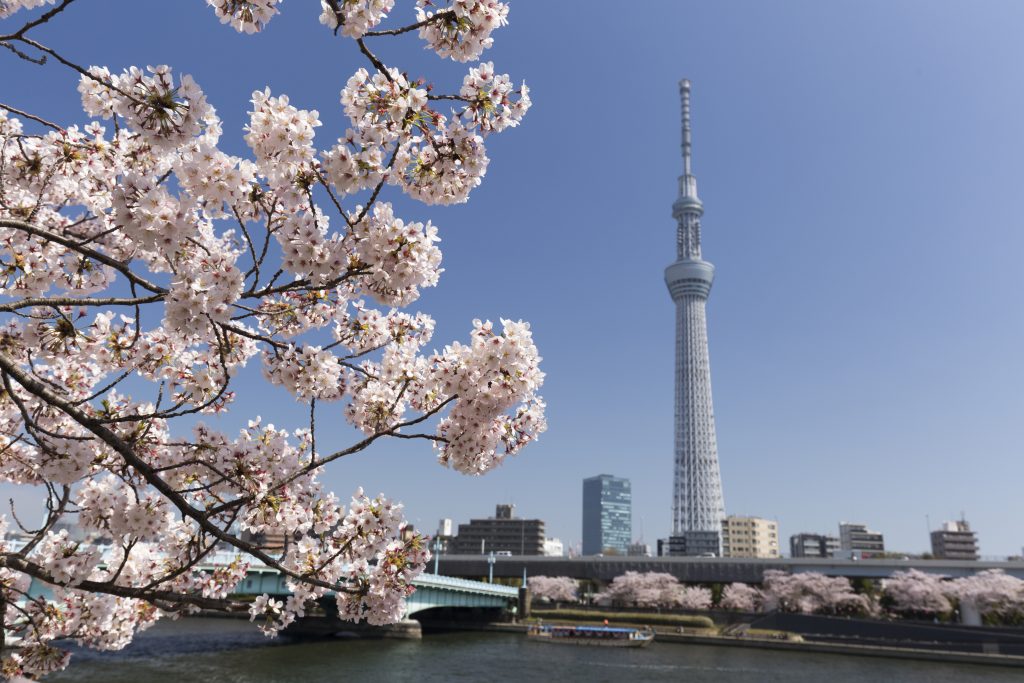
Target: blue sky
[(860, 165)]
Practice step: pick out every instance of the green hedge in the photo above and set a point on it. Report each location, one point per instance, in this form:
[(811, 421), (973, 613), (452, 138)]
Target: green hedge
[(624, 617)]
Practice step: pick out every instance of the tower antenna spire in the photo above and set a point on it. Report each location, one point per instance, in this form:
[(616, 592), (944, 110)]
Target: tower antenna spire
[(684, 95)]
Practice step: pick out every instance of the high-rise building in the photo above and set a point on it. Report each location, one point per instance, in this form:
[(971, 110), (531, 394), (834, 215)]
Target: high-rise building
[(607, 515), (813, 545), (750, 537), (554, 547), (503, 533), (955, 541), (639, 549), (697, 504), (444, 527), (859, 541)]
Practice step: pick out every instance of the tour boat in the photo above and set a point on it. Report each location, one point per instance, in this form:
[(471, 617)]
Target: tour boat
[(602, 636)]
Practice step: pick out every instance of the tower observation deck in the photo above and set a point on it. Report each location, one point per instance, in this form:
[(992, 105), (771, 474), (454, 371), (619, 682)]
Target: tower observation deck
[(697, 504)]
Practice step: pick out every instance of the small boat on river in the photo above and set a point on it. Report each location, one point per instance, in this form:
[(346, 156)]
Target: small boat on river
[(601, 636)]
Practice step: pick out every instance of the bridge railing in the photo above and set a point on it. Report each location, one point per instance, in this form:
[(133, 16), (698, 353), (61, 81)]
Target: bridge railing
[(452, 583)]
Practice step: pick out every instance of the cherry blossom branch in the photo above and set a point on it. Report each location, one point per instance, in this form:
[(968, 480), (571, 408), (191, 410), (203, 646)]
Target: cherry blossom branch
[(31, 117), (42, 19), (164, 599), (377, 64), (78, 301), (364, 443), (440, 16), (91, 253), (106, 435)]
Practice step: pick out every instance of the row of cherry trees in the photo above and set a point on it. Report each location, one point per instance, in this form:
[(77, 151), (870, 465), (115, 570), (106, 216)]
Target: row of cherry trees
[(653, 589), (994, 595), (142, 268)]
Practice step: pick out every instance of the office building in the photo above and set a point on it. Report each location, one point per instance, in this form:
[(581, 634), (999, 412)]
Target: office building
[(813, 545), (503, 533), (955, 541), (856, 540), (607, 515), (554, 547), (750, 537)]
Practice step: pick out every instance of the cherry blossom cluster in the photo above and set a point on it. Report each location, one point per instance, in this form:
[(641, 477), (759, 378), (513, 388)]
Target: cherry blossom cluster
[(811, 592), (653, 589), (9, 7), (357, 162), (354, 17), (281, 137), (307, 372), (741, 597), (494, 374), (165, 113), (442, 167), (490, 105), (386, 100), (553, 588), (399, 257), (143, 269), (916, 593), (995, 594), (365, 550), (463, 30), (245, 16)]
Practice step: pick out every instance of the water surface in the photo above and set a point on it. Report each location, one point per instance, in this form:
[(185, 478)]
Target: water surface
[(213, 650)]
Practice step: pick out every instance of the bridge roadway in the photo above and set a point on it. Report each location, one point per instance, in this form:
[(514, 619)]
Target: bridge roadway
[(432, 590), (706, 570)]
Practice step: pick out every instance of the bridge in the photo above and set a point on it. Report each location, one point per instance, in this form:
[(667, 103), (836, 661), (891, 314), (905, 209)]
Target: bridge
[(601, 570), (432, 590)]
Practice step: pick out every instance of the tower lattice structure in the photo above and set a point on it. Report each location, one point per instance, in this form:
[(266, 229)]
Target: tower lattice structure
[(698, 507)]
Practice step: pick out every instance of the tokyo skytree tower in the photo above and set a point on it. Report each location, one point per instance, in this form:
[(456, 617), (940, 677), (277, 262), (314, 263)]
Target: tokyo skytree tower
[(697, 504)]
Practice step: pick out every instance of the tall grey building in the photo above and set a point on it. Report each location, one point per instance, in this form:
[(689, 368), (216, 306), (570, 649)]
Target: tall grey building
[(955, 541), (698, 507), (860, 540), (813, 545), (607, 515)]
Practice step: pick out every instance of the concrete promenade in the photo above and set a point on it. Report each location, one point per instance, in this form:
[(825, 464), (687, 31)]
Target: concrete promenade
[(667, 636), (706, 570)]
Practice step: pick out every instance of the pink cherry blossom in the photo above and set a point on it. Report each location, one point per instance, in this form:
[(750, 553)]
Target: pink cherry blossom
[(143, 269), (553, 588)]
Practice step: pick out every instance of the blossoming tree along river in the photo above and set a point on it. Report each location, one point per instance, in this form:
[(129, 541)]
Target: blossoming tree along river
[(135, 253), (554, 588)]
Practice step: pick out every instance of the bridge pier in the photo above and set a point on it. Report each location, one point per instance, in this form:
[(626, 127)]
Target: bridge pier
[(525, 602)]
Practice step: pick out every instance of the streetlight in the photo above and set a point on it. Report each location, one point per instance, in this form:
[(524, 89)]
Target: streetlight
[(490, 567), (437, 553)]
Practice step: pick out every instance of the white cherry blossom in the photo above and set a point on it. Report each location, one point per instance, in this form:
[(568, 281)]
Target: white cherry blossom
[(142, 268)]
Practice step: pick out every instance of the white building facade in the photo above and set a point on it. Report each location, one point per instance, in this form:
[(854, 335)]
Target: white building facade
[(750, 537)]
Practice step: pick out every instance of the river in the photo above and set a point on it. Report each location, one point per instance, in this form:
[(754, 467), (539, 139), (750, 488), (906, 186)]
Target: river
[(214, 650)]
